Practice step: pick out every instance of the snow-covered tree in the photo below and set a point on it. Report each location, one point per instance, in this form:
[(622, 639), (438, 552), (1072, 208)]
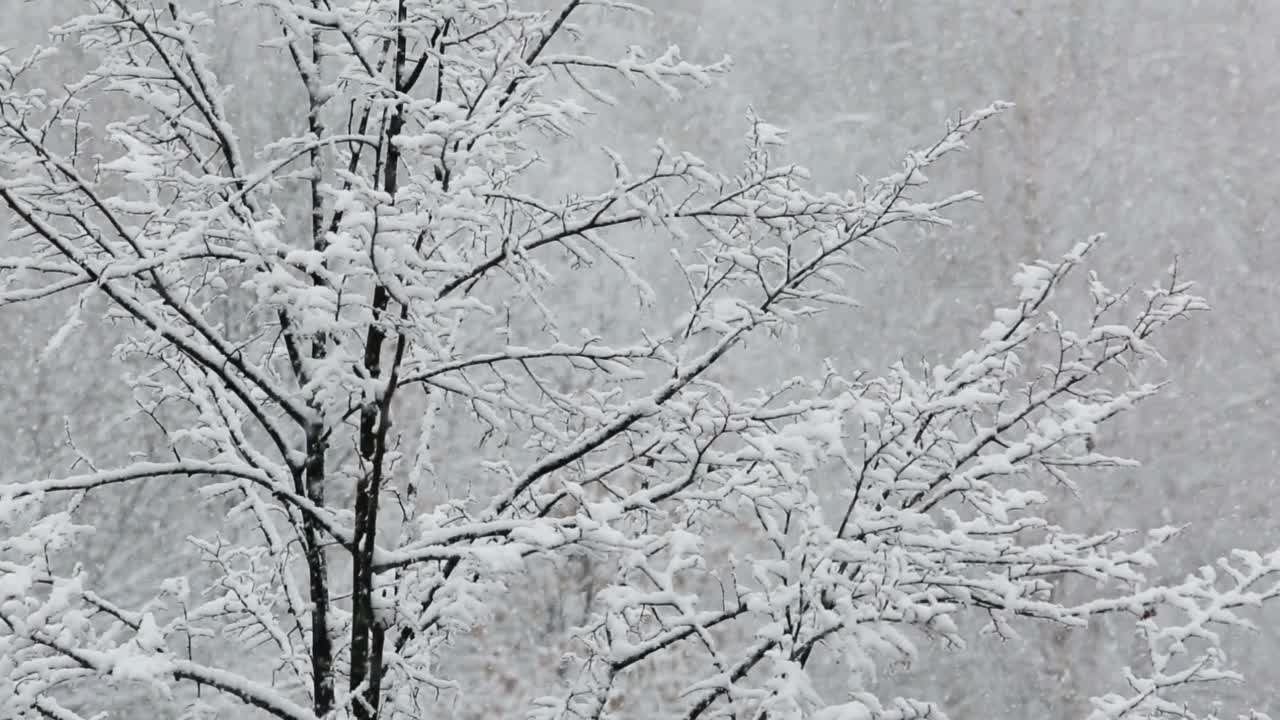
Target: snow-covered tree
[(364, 340)]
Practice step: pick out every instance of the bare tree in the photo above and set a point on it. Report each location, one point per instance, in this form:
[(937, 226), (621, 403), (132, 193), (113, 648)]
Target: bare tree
[(432, 285)]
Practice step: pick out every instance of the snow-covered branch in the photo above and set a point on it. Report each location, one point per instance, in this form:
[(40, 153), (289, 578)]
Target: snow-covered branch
[(367, 340)]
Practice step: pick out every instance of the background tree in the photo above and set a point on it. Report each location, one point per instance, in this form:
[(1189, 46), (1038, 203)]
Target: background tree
[(285, 294)]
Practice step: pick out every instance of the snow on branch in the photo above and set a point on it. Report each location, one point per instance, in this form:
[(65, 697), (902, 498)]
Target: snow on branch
[(368, 340)]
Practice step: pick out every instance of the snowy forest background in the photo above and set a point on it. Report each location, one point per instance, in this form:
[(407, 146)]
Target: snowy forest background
[(1151, 121)]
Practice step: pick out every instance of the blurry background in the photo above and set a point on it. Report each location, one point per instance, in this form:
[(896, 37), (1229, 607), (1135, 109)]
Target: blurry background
[(1149, 120)]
